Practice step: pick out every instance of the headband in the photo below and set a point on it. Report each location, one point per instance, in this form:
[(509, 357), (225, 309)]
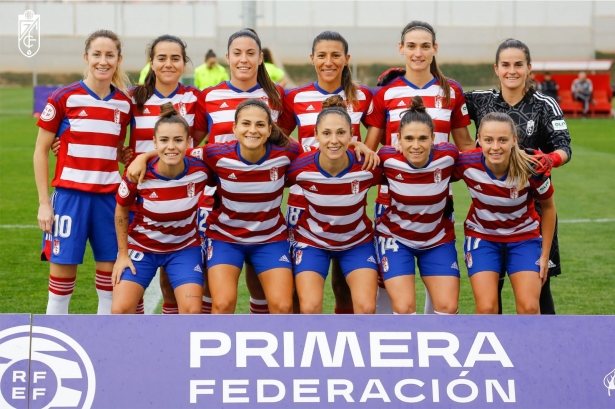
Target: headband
[(415, 28)]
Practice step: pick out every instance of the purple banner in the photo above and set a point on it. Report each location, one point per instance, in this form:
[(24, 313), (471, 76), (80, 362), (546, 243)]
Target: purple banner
[(14, 360), (41, 94), (321, 361)]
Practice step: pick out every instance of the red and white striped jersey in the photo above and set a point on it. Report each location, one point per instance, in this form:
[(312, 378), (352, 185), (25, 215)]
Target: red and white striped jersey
[(142, 124), (394, 98), (90, 129), (302, 105), (250, 193), (215, 112), (334, 217), (499, 212), (418, 197), (165, 220)]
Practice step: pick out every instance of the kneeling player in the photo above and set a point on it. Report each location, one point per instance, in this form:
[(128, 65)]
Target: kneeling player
[(163, 232), (417, 224)]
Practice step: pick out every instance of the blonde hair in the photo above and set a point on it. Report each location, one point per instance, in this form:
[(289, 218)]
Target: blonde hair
[(520, 167), (120, 80)]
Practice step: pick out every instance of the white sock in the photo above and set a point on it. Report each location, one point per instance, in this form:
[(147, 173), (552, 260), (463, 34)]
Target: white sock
[(428, 303), (60, 291), (383, 302), (104, 289), (446, 313)]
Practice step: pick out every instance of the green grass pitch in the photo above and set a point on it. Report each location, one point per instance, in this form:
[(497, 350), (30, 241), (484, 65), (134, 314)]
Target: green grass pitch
[(585, 192)]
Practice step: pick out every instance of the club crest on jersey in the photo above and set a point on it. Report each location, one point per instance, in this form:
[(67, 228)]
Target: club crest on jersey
[(438, 102), (123, 189), (437, 175), (182, 108), (349, 108), (265, 99), (191, 189), (291, 234), (116, 116), (273, 173), (197, 153), (514, 193), (354, 186), (210, 251), (298, 256), (530, 127), (469, 260), (56, 246), (385, 264)]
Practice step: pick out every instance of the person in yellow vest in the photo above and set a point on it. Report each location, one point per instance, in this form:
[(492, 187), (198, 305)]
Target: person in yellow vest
[(276, 74), (209, 74), (143, 73)]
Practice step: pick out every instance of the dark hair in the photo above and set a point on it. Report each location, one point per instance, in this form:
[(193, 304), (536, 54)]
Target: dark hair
[(267, 57), (519, 45), (349, 88), (416, 113), (210, 54), (277, 137), (433, 67), (262, 77), (168, 115), (119, 79), (333, 105), (144, 91)]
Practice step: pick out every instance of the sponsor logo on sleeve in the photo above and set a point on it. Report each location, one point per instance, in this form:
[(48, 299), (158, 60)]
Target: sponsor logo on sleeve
[(544, 187), (559, 125), (197, 153), (464, 109), (48, 113)]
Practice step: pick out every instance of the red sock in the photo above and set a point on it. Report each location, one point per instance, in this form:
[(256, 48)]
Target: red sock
[(258, 306), (169, 309), (103, 280), (344, 311), (60, 291), (140, 307), (206, 306)]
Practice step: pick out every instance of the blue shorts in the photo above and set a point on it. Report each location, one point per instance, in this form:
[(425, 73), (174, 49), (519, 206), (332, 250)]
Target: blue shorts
[(397, 259), (182, 266), (309, 258), (79, 217), (263, 256), (293, 214), (485, 255)]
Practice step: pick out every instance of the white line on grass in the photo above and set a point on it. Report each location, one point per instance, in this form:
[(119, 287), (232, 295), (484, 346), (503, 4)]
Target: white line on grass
[(152, 295)]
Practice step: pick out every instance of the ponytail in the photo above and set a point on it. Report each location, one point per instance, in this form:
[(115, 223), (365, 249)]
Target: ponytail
[(143, 92), (433, 67), (520, 167), (416, 113), (120, 80), (276, 137), (350, 90), (168, 115), (262, 77)]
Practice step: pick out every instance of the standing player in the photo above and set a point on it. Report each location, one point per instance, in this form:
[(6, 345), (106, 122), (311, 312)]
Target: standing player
[(90, 117), (443, 98), (416, 224), (502, 229), (214, 119), (540, 124), (163, 232), (334, 224), (211, 73), (168, 59), (301, 108)]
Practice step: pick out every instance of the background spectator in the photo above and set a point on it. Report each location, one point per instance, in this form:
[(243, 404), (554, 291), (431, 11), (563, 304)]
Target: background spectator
[(582, 89), (209, 74)]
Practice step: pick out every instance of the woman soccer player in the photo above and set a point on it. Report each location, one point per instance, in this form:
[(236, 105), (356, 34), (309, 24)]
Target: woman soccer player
[(301, 107), (167, 55), (90, 117), (214, 119), (416, 224), (163, 232), (502, 229), (334, 223), (540, 124), (443, 98)]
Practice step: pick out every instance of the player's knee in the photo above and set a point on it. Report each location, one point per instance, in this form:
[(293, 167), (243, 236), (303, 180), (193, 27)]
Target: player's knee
[(487, 307), (281, 306), (223, 306), (366, 306), (528, 307), (308, 307), (405, 309), (192, 309), (447, 307), (120, 308)]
